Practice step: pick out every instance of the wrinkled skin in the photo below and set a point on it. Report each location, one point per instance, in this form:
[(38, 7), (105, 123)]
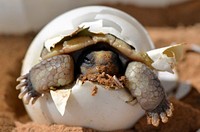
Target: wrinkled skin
[(58, 71)]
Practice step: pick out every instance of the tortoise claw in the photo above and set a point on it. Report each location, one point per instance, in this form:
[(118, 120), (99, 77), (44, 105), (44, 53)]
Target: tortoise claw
[(22, 77), (27, 91), (161, 113), (22, 93), (27, 98), (34, 99), (22, 84)]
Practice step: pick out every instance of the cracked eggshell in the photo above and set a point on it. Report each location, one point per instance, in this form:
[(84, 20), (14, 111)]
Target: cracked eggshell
[(105, 111)]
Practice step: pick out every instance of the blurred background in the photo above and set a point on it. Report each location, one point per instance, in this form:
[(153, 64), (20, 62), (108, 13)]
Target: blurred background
[(21, 16), (167, 21)]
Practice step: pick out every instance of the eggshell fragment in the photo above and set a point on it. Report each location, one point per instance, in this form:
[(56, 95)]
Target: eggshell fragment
[(164, 59), (60, 98)]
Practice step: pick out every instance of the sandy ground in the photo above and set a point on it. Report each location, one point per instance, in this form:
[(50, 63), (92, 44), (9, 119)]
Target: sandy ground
[(187, 111)]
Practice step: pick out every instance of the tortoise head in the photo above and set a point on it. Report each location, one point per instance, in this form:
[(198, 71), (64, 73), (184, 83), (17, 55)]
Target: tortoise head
[(97, 62)]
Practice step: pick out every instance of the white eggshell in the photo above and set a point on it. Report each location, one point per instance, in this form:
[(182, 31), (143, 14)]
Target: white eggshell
[(105, 111)]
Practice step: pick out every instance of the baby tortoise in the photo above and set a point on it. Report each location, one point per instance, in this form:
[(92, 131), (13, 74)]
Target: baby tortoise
[(103, 59)]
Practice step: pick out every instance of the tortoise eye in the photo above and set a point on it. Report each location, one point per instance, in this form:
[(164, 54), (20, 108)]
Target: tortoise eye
[(87, 61)]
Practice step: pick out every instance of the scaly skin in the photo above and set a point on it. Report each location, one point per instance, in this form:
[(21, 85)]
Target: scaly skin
[(144, 84), (49, 74)]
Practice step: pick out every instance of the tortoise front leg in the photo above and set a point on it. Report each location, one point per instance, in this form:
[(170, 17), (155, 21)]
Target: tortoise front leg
[(144, 84), (51, 73)]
